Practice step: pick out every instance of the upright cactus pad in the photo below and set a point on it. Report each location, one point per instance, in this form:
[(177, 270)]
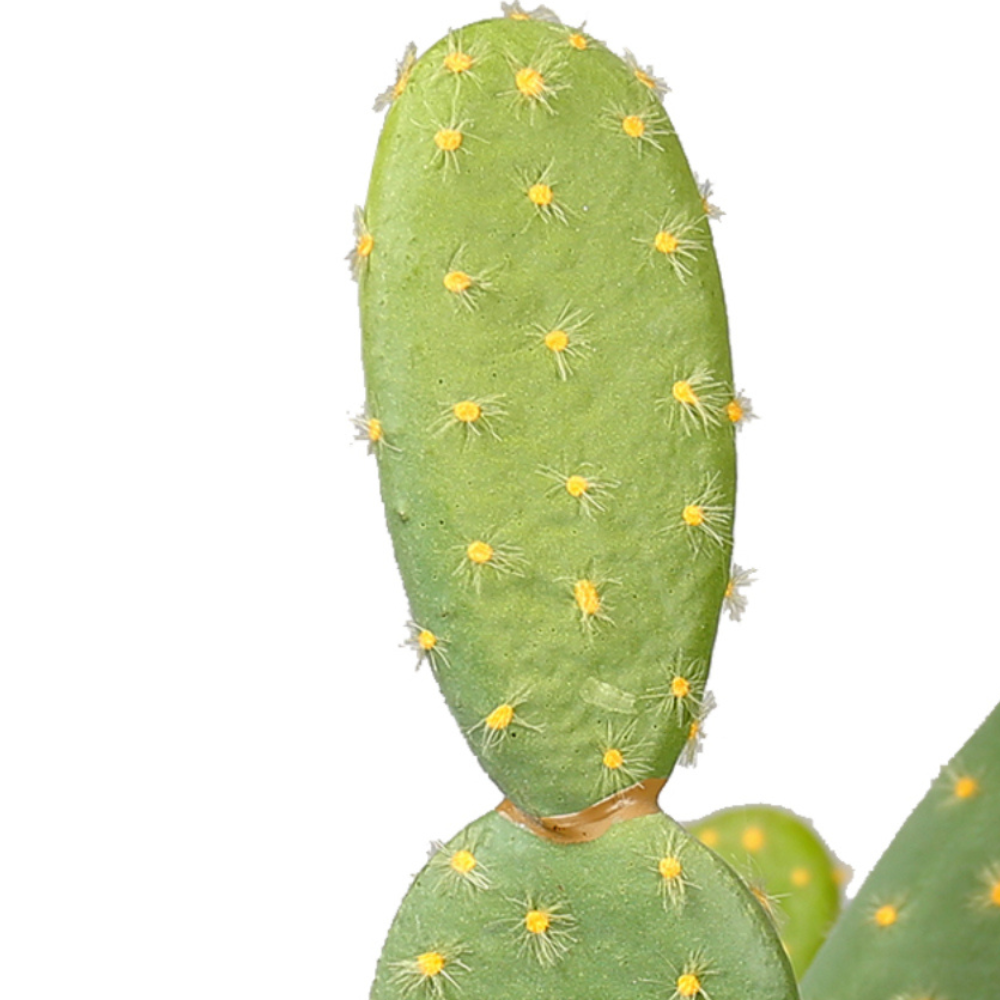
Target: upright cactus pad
[(787, 867), (551, 402), (644, 912), (926, 923)]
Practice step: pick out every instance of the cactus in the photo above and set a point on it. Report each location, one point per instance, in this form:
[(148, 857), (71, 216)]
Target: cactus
[(926, 922), (788, 868), (551, 403), (643, 911)]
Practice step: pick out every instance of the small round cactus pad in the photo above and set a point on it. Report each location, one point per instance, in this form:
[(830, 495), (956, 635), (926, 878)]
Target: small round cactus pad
[(644, 912), (551, 403), (788, 868), (926, 923)]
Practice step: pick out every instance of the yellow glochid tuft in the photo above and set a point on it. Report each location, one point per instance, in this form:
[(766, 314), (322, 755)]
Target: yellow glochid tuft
[(683, 392), (488, 555), (448, 139), (458, 868), (561, 339), (501, 717), (678, 240), (473, 415), (429, 646), (734, 600), (966, 787), (683, 691), (697, 400), (646, 76), (540, 194), (587, 598), (753, 839), (543, 929), (624, 758), (709, 837), (988, 898), (696, 730), (693, 515), (458, 62), (428, 971), (801, 877), (557, 341), (691, 979), (371, 429), (457, 281), (463, 861), (668, 864), (706, 518), (529, 82), (431, 963), (688, 985), (395, 90), (634, 126), (670, 868), (643, 126), (539, 187), (364, 244), (586, 485), (666, 242), (479, 552), (497, 724)]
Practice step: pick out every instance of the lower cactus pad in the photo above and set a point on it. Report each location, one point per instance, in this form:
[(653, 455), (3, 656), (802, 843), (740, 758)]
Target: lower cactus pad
[(644, 911)]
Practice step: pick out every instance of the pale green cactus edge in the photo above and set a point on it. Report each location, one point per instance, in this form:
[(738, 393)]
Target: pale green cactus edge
[(551, 402), (926, 923), (644, 912)]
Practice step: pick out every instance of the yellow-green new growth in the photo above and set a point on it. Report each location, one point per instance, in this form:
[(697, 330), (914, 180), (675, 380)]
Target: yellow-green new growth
[(790, 871)]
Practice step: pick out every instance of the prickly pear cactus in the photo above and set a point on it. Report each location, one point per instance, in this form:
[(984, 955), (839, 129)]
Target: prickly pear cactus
[(551, 403), (926, 923), (644, 911), (788, 868)]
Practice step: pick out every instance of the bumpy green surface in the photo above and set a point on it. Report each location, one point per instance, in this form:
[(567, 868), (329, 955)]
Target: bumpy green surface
[(926, 923), (614, 929), (786, 865), (510, 631)]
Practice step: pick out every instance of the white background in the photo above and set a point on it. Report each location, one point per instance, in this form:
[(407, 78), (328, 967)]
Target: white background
[(218, 771)]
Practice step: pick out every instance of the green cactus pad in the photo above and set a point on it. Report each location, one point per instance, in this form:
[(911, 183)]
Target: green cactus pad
[(786, 865), (644, 912), (550, 399), (926, 923)]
